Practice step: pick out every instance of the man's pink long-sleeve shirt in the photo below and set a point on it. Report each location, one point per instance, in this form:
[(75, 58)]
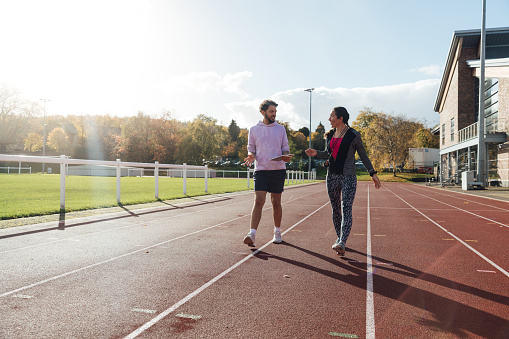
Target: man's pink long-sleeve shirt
[(267, 142)]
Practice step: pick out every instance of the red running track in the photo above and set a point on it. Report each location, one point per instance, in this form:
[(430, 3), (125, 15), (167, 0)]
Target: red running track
[(420, 263)]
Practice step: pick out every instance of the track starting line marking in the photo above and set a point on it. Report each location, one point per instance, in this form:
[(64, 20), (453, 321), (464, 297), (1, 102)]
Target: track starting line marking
[(142, 310), (485, 271), (22, 296), (343, 335), (188, 316)]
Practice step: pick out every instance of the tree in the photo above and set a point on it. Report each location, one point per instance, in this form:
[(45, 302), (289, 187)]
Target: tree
[(200, 140), (234, 131), (33, 142), (135, 142), (300, 143), (388, 139), (424, 138), (166, 137), (317, 138), (242, 143), (363, 122), (58, 140), (14, 117), (305, 131)]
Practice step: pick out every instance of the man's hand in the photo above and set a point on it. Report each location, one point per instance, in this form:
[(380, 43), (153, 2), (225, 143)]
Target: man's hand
[(311, 152), (287, 157), (249, 160)]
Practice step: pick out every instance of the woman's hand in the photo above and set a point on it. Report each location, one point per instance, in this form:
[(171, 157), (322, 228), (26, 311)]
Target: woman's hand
[(311, 152), (376, 181)]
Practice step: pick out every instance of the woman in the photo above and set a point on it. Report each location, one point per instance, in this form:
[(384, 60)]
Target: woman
[(342, 143)]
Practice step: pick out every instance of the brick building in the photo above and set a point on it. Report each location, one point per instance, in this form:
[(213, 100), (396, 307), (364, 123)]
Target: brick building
[(457, 103)]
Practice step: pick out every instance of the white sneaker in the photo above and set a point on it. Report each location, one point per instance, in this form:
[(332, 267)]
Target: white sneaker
[(277, 237), (249, 239)]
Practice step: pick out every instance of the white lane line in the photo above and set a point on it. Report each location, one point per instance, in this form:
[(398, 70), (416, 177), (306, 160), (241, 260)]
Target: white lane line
[(473, 201), (135, 223), (188, 316), (64, 239), (193, 294), (370, 301), (114, 258), (143, 310), (128, 254), (454, 236), (477, 215), (23, 296)]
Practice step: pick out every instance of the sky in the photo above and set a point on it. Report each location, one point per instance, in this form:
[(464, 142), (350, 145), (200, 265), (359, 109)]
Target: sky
[(222, 58)]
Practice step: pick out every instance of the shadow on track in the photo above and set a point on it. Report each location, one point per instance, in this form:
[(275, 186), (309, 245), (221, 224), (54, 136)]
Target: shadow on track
[(450, 316), (62, 221)]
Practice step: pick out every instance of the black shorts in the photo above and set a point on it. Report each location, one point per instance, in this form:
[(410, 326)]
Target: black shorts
[(270, 181)]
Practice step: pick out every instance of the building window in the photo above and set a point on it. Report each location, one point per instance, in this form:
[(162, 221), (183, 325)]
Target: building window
[(490, 104), (443, 134), (452, 129)]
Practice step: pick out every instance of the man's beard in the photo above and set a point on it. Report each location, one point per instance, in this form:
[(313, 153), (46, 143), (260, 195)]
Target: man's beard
[(269, 119)]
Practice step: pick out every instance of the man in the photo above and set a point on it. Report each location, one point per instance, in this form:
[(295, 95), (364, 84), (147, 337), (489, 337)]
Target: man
[(267, 140)]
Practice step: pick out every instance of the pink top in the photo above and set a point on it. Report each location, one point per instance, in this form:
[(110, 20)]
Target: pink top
[(334, 145)]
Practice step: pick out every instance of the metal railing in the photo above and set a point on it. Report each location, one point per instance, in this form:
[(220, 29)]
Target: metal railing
[(64, 162), (15, 169), (491, 126)]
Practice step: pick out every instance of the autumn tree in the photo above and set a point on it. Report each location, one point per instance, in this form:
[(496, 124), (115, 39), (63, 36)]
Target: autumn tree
[(14, 117), (304, 130), (166, 137), (388, 139), (233, 130), (201, 139), (242, 144), (33, 142), (424, 138), (363, 122), (58, 140), (135, 142), (317, 138)]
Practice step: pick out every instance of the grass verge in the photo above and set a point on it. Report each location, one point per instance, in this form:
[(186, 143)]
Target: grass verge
[(28, 195)]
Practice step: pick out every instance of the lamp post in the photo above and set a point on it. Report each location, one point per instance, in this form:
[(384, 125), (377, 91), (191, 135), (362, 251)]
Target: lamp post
[(310, 90), (481, 150), (44, 133)]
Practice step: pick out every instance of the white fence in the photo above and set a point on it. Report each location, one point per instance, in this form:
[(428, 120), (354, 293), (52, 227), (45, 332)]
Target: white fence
[(295, 176), (16, 169)]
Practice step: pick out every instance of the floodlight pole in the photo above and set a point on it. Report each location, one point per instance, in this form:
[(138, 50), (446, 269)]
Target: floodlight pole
[(310, 90), (480, 123), (44, 133)]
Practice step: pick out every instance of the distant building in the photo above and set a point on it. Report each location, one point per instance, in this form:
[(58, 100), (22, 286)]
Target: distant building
[(423, 159), (457, 102)]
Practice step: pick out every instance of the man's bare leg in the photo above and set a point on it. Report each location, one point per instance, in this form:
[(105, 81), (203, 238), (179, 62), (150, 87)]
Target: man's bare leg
[(256, 215)]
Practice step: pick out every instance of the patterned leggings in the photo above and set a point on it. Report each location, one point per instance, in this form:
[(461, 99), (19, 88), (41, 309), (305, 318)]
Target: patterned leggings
[(337, 185)]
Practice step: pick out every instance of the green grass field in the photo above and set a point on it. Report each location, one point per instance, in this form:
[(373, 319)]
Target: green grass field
[(30, 195)]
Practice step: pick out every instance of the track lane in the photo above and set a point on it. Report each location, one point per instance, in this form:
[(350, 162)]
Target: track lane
[(423, 286), (430, 284)]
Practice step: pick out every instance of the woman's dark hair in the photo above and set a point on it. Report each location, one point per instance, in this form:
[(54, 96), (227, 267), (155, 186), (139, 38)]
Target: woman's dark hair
[(340, 112)]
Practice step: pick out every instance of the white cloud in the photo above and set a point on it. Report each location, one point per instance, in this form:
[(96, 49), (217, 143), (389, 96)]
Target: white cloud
[(414, 100), (433, 70)]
